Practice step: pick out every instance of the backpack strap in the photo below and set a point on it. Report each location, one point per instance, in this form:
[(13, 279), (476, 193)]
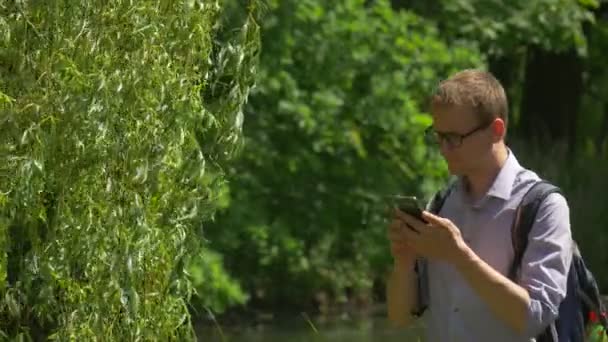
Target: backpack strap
[(440, 197), (421, 266), (524, 220), (525, 216)]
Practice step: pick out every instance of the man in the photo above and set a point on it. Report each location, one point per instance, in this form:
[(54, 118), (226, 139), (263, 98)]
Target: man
[(468, 244)]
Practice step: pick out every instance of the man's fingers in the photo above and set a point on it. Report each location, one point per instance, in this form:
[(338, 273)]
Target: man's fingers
[(402, 248), (411, 221), (396, 223), (402, 215), (399, 232), (395, 226), (396, 237), (399, 246), (433, 219), (411, 235)]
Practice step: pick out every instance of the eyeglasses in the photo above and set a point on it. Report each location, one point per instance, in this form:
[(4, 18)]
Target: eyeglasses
[(452, 139)]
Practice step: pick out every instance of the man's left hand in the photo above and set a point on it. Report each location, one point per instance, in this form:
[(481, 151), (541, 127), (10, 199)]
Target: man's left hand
[(438, 239)]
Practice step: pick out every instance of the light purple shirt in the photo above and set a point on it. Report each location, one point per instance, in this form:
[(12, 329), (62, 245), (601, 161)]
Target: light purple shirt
[(456, 312)]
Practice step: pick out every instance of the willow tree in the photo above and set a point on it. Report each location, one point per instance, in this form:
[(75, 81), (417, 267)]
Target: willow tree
[(116, 120)]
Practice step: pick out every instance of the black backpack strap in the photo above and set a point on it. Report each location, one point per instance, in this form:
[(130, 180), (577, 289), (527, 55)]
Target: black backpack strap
[(440, 197), (421, 267), (524, 220)]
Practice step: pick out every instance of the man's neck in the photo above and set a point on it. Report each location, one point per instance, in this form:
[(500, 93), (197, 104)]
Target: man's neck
[(479, 183)]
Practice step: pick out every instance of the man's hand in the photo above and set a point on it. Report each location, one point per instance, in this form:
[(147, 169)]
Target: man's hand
[(438, 239), (400, 249), (401, 284)]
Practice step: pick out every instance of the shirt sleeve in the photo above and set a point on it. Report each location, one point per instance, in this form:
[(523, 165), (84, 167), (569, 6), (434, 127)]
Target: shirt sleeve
[(546, 261)]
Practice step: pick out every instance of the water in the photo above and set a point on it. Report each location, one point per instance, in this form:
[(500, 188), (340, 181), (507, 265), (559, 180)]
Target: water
[(301, 328)]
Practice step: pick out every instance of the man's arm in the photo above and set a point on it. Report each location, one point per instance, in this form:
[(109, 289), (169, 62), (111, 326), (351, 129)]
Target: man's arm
[(401, 291), (506, 299), (528, 308)]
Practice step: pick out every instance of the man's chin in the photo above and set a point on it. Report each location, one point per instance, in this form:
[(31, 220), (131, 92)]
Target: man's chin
[(456, 170)]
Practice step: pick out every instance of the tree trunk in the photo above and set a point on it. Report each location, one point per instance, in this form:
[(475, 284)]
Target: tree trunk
[(507, 70), (551, 97), (601, 141), (504, 68)]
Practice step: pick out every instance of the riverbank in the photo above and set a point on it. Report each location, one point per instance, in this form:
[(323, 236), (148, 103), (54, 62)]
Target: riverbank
[(345, 325)]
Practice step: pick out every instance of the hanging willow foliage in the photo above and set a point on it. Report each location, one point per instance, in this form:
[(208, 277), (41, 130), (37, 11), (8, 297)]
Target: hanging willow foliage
[(116, 118)]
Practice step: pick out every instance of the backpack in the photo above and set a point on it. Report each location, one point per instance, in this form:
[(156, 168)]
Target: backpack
[(582, 306)]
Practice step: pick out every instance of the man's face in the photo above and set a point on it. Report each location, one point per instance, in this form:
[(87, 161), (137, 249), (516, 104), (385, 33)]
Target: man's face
[(465, 142)]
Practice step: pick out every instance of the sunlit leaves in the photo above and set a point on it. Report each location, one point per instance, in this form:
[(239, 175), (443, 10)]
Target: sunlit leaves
[(108, 168), (335, 123), (504, 27)]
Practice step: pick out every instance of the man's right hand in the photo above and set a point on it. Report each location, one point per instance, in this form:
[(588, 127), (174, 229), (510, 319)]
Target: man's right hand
[(403, 254)]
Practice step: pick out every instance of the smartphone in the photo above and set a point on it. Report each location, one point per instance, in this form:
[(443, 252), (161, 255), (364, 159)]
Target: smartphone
[(409, 205)]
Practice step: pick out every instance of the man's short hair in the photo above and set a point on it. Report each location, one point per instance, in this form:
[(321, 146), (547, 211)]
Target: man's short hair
[(478, 89)]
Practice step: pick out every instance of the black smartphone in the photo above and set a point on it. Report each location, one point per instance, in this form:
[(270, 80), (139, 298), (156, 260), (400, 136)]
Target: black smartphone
[(409, 205)]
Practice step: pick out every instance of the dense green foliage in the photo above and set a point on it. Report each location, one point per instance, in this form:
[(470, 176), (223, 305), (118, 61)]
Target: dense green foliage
[(335, 124), (526, 43), (336, 120), (120, 119), (504, 27), (116, 120)]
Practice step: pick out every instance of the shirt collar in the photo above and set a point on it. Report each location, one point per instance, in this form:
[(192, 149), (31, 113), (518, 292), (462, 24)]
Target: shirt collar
[(503, 183)]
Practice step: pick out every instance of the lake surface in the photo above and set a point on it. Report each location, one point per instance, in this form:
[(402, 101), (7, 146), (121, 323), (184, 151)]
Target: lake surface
[(301, 328)]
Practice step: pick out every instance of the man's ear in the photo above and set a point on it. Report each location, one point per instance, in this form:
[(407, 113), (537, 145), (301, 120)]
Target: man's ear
[(499, 129)]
